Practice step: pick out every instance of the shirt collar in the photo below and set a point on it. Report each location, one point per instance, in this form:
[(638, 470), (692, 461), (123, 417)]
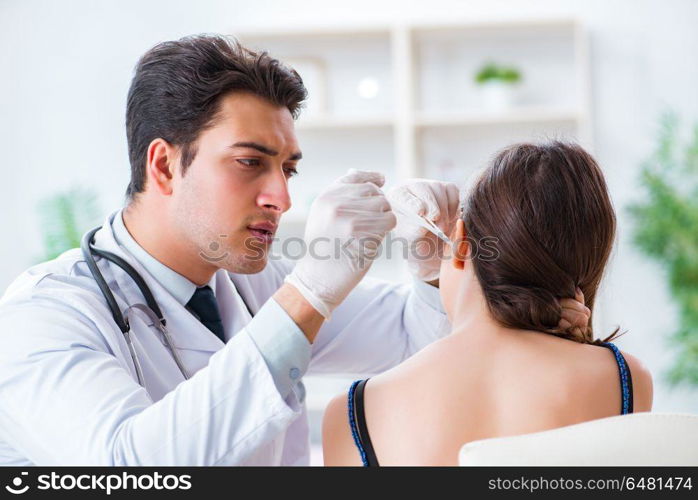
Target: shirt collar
[(177, 285)]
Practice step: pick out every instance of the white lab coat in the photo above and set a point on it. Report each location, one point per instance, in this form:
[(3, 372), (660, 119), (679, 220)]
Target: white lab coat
[(68, 388)]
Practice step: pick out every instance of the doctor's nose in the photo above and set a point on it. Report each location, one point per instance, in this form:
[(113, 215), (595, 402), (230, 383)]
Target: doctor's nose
[(274, 193)]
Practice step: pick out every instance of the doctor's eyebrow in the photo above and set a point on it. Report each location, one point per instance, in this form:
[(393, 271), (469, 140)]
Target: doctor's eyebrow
[(265, 150)]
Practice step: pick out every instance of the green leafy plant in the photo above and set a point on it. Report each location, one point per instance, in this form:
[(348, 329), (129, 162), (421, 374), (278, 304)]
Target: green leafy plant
[(65, 217), (666, 229), (492, 72)]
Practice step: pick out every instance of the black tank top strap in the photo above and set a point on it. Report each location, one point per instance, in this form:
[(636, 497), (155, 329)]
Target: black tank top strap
[(626, 379), (357, 422)]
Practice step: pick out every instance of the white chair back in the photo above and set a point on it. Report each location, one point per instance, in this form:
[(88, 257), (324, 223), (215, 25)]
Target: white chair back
[(634, 439)]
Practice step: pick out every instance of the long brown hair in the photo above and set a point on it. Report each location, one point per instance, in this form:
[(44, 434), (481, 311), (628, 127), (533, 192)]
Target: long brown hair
[(548, 207)]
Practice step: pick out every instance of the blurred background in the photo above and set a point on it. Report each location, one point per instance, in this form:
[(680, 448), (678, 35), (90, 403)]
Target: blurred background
[(414, 89)]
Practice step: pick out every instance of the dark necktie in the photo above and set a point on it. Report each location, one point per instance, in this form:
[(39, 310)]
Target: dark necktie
[(203, 304)]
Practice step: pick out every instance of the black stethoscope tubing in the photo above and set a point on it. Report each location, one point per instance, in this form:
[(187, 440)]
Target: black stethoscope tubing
[(88, 252)]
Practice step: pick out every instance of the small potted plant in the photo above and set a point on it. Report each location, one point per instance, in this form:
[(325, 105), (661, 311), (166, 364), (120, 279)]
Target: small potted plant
[(498, 84)]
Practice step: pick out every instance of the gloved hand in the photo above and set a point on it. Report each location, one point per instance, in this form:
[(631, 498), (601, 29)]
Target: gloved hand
[(438, 201), (345, 227)]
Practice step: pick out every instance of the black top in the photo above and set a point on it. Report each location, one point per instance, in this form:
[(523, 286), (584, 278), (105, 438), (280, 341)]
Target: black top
[(362, 439)]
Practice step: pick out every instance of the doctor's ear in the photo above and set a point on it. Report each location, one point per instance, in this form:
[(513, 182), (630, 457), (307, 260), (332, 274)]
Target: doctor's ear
[(461, 246), (161, 160)]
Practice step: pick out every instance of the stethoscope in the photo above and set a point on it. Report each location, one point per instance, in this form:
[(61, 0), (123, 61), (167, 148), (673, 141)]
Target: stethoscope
[(152, 310)]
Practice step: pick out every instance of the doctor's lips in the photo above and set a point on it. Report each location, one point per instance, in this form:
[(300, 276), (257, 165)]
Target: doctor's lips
[(263, 231)]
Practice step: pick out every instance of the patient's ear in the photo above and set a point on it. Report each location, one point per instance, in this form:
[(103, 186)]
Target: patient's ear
[(460, 245)]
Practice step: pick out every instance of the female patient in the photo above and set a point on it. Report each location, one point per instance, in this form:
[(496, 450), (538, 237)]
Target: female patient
[(537, 224)]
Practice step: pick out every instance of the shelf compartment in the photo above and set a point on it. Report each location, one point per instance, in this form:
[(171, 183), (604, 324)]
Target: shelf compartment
[(511, 116), (447, 59)]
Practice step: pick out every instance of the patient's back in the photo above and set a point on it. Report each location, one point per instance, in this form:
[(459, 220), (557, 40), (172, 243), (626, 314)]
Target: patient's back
[(498, 373), (464, 388)]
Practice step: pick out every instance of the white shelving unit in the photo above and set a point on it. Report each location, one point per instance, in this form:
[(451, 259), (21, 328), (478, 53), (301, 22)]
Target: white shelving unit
[(403, 100), (421, 114)]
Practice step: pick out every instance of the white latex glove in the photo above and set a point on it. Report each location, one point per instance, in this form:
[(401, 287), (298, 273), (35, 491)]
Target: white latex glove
[(345, 228), (436, 200)]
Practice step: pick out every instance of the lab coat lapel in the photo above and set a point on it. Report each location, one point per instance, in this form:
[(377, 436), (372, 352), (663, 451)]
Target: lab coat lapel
[(187, 332)]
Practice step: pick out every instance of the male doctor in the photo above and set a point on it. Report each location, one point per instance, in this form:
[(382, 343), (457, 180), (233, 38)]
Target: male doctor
[(212, 149)]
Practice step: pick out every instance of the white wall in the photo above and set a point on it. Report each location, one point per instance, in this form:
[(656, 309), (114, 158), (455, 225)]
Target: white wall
[(65, 69)]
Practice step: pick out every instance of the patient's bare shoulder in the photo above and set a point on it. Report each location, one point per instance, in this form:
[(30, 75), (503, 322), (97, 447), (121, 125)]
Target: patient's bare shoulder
[(420, 412), (397, 402)]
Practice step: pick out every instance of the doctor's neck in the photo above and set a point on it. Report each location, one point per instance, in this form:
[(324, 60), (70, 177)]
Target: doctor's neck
[(162, 241)]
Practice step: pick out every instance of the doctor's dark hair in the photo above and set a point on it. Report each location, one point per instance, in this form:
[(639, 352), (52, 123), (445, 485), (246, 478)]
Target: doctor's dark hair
[(549, 208), (177, 87)]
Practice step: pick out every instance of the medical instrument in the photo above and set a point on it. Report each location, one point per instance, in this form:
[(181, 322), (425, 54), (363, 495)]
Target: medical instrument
[(424, 222)]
